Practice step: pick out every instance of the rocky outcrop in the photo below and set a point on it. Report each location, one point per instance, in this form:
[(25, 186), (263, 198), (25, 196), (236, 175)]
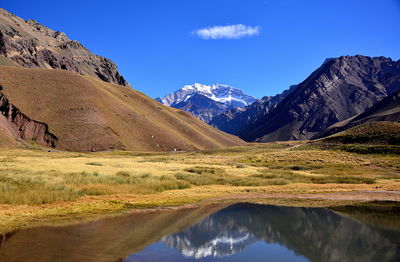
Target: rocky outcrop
[(30, 44), (341, 88), (21, 126)]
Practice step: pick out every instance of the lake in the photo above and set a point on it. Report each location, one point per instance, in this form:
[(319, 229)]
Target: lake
[(218, 232)]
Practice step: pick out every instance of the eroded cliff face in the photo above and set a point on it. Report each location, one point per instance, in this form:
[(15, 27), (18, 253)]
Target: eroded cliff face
[(21, 126), (30, 44)]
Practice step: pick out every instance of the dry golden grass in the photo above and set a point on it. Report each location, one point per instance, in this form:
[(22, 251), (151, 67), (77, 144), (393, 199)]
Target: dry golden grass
[(35, 184)]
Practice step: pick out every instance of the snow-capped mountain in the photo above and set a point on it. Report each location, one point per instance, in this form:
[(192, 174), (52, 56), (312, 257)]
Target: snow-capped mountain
[(217, 246), (205, 101)]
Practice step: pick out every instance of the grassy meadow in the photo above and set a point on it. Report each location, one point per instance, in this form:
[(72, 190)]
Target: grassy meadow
[(36, 184)]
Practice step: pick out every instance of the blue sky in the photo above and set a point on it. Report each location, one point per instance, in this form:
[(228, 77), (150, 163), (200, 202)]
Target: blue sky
[(155, 45)]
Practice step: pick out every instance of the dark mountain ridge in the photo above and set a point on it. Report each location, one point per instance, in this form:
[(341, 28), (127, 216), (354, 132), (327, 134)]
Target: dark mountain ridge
[(236, 120), (388, 109), (339, 89)]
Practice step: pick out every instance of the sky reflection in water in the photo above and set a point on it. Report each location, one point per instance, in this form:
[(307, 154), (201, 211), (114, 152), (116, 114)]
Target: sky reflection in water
[(249, 232)]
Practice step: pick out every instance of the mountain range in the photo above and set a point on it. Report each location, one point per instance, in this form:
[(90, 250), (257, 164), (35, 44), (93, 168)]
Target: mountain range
[(317, 234), (340, 89), (54, 92), (205, 102), (235, 120)]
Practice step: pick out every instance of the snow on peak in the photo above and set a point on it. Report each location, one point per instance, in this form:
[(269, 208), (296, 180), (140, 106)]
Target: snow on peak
[(198, 88), (221, 93)]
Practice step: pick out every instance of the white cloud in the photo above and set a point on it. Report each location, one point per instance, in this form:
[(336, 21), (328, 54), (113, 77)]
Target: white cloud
[(227, 32)]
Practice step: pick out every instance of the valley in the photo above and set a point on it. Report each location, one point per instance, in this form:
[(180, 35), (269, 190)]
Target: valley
[(39, 186), (80, 145)]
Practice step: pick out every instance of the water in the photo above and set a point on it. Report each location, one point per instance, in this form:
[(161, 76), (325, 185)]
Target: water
[(239, 232)]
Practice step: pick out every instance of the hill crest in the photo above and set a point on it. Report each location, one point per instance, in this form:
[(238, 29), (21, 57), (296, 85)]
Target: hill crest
[(32, 45), (86, 114)]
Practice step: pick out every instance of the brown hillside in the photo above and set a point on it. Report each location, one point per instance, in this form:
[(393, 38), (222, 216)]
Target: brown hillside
[(4, 61), (87, 114), (6, 140)]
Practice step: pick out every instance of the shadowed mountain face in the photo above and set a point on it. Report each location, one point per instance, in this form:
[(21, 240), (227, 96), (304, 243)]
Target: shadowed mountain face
[(339, 89), (317, 234), (388, 109), (206, 102), (201, 106), (236, 120), (30, 44)]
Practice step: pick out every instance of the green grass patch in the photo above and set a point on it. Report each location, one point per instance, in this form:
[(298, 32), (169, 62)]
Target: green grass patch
[(94, 164), (371, 149), (341, 180), (204, 170)]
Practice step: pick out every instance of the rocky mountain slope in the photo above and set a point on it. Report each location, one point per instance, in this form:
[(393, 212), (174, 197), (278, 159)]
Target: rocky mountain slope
[(69, 111), (236, 120), (341, 88), (205, 102), (388, 109), (30, 44), (18, 125)]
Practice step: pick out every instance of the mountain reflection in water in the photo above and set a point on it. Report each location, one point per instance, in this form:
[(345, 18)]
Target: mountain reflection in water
[(259, 232), (213, 232)]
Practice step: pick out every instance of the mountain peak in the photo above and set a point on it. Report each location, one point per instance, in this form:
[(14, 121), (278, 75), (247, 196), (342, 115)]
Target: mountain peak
[(210, 88), (223, 97), (341, 88), (33, 45), (198, 87)]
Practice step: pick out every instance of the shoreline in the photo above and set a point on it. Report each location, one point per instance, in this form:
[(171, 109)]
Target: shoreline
[(98, 211)]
